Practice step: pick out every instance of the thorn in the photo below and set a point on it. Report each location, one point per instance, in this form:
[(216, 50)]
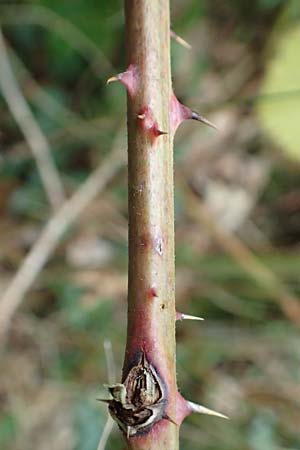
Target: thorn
[(159, 132), (153, 292), (129, 78), (111, 79), (196, 116), (148, 123), (180, 112), (180, 41), (199, 409), (181, 316), (166, 417), (104, 400), (189, 317)]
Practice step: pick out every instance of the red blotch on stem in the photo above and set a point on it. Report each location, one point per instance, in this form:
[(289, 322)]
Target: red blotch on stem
[(148, 241), (153, 292), (145, 241)]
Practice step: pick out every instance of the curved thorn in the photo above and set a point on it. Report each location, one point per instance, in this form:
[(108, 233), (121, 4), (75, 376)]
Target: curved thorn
[(196, 116), (180, 40), (199, 409), (111, 79), (141, 116), (160, 133)]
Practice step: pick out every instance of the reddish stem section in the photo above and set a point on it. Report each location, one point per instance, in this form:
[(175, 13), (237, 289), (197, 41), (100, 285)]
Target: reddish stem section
[(179, 112), (182, 409)]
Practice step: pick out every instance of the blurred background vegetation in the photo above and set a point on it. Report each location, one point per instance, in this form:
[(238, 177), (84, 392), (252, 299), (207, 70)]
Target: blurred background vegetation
[(237, 221)]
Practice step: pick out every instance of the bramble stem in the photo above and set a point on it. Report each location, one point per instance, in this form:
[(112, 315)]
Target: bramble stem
[(150, 348), (146, 405)]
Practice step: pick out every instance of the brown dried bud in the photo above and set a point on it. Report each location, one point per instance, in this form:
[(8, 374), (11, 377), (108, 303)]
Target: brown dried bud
[(139, 402)]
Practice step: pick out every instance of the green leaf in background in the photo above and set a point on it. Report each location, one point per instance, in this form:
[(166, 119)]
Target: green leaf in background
[(279, 105), (262, 434), (268, 4), (92, 17), (89, 424), (8, 427)]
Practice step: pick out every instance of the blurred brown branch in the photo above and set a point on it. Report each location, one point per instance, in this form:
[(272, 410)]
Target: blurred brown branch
[(54, 230), (261, 274), (31, 130), (71, 122)]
